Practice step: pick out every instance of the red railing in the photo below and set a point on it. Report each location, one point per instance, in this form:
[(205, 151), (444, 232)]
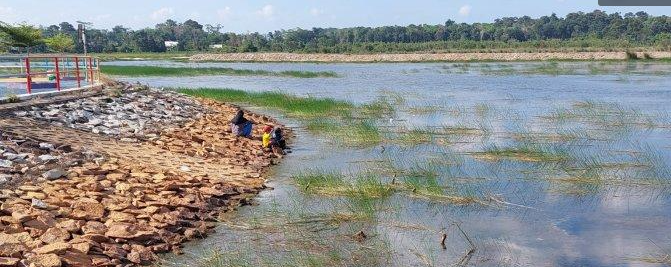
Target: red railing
[(48, 72)]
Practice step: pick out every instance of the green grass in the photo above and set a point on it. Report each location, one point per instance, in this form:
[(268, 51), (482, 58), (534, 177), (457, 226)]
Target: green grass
[(524, 152), (325, 116), (359, 186), (138, 71), (416, 137), (305, 107)]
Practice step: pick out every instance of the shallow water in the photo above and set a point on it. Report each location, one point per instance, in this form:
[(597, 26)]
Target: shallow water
[(544, 221)]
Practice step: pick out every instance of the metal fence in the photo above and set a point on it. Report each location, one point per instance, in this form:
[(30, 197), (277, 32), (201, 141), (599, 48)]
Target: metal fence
[(41, 73)]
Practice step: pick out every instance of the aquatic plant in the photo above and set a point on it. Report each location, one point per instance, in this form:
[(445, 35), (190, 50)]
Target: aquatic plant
[(524, 152)]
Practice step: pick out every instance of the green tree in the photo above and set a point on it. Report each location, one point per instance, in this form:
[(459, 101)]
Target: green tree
[(22, 35), (60, 43)]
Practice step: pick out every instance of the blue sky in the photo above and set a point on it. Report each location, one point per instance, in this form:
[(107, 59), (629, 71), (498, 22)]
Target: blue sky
[(264, 16)]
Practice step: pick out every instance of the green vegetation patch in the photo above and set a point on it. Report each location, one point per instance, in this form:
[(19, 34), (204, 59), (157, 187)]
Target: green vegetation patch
[(324, 116), (305, 107), (138, 71), (366, 185), (524, 152)]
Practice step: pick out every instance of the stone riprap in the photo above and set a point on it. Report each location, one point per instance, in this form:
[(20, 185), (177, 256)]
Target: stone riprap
[(139, 113), (120, 203), (26, 159)]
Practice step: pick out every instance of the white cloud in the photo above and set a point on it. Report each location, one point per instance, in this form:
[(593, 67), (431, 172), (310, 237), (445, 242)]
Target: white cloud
[(162, 13), (465, 11), (266, 11), (224, 13), (316, 11)]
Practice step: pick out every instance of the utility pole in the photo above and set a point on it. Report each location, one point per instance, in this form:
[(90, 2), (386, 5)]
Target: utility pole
[(81, 30)]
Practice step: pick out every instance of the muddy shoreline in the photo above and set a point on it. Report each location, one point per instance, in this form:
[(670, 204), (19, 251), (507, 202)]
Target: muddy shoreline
[(423, 57), (112, 179)]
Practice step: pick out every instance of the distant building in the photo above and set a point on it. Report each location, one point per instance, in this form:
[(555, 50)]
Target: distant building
[(169, 44), (217, 46)]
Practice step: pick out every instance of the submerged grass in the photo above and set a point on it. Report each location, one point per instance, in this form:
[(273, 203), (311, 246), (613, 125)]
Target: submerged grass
[(416, 182), (524, 152), (137, 71), (360, 186)]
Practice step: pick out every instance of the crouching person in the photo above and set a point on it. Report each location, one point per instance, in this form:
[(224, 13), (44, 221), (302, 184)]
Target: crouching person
[(273, 140), (240, 126)]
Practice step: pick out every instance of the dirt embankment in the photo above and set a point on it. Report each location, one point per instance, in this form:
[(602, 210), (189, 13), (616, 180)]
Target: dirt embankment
[(111, 180), (445, 57)]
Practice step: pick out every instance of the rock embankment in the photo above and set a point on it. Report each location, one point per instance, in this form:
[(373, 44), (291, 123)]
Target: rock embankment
[(137, 113), (98, 209), (420, 57)]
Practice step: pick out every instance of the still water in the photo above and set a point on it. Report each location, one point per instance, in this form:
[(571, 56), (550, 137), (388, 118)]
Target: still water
[(530, 214)]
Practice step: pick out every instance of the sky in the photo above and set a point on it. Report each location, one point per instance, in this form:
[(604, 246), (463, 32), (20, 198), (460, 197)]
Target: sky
[(263, 16)]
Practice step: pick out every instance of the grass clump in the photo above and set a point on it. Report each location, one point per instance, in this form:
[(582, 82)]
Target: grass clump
[(360, 186), (138, 71), (292, 105), (416, 136), (321, 182), (12, 98), (524, 152)]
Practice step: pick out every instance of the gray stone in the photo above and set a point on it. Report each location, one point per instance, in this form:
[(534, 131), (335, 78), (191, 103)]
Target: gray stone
[(51, 113), (95, 122), (46, 146), (5, 178), (54, 174), (46, 158), (39, 204), (5, 163)]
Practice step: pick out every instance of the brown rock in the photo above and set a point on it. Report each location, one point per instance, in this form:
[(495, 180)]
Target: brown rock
[(129, 231), (151, 209), (75, 258), (100, 260), (94, 227), (71, 226), (96, 238), (41, 222), (22, 216), (55, 248), (45, 260), (8, 262), (36, 195), (30, 188), (55, 234), (117, 216), (160, 248), (19, 238), (88, 208), (114, 251), (11, 250), (82, 247), (121, 230), (190, 233), (134, 257)]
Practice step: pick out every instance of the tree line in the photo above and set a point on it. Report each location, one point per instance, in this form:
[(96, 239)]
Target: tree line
[(596, 29)]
